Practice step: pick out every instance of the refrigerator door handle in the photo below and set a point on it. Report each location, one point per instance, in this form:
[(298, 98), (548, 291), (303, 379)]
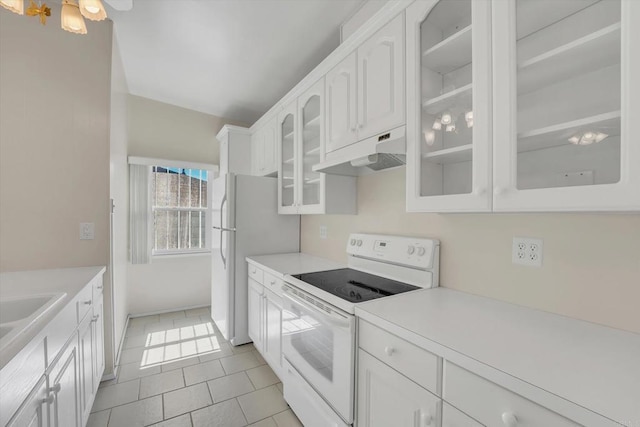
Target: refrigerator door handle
[(224, 200), (224, 260)]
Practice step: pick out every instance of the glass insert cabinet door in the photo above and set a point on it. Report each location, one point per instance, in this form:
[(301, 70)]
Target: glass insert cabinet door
[(449, 117), (288, 165), (566, 95), (311, 151)]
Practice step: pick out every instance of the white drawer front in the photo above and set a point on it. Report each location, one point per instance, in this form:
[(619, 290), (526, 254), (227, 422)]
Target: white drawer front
[(273, 283), (451, 417), (412, 361), (255, 273), (494, 405)]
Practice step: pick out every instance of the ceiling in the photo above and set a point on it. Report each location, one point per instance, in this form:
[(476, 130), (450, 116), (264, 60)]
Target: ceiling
[(231, 58)]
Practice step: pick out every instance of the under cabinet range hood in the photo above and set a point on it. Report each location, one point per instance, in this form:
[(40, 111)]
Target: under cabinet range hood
[(379, 152)]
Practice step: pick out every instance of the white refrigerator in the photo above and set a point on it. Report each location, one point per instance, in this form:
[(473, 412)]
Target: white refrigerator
[(245, 222)]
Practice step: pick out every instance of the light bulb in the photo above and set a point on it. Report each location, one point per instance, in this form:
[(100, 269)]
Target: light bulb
[(437, 125), (429, 137), (446, 118)]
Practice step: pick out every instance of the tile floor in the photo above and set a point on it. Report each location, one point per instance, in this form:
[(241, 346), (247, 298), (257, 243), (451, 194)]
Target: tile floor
[(176, 370)]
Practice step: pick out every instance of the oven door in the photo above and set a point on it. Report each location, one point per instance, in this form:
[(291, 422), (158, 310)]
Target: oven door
[(319, 342)]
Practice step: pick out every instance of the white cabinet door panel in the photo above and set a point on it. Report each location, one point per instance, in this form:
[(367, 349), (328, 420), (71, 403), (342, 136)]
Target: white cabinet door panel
[(341, 93), (381, 80)]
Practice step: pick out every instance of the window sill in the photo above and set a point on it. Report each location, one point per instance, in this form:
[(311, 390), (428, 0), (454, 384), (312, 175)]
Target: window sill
[(166, 255)]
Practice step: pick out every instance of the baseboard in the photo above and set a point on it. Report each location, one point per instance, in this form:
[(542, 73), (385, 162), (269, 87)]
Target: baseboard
[(171, 310)]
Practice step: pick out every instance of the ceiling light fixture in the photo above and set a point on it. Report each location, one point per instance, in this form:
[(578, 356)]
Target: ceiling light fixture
[(587, 138), (446, 118), (15, 6), (451, 127), (71, 16), (429, 137), (437, 125)]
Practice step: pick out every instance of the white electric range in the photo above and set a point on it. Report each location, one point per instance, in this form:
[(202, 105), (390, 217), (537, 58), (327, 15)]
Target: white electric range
[(318, 324)]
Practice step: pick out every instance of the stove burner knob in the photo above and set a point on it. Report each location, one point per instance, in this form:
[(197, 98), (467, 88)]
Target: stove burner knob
[(359, 242), (352, 294), (421, 251), (411, 250), (352, 242), (358, 297)]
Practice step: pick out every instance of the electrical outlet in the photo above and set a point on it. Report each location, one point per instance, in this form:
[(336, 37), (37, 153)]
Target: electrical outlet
[(323, 231), (87, 231), (527, 251)]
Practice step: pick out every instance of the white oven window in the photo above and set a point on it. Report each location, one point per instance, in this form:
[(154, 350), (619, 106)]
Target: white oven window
[(313, 341)]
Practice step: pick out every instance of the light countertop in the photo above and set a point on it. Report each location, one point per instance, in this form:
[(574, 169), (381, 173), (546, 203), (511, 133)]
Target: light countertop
[(293, 263), (593, 366), (26, 283)]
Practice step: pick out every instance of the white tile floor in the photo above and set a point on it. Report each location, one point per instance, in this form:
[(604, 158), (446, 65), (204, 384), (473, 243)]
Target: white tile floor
[(178, 371)]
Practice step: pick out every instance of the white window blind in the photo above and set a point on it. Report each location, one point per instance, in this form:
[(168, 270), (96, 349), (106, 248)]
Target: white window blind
[(139, 213)]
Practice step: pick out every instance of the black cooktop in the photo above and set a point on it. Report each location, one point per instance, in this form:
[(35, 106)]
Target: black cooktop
[(354, 285)]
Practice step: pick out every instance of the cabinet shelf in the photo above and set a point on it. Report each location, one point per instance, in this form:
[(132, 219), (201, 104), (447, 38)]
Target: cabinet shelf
[(450, 54), (591, 52), (312, 152), (287, 186), (458, 97), (312, 181), (288, 161), (558, 134), (312, 123), (288, 135), (462, 153)]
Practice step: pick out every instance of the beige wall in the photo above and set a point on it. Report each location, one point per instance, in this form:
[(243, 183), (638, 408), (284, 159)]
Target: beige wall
[(591, 267), (54, 143), (164, 131)]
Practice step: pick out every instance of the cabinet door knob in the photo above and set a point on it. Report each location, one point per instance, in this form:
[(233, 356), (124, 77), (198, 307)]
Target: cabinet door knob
[(48, 400), (55, 389), (99, 287), (509, 419), (425, 419), (95, 318), (389, 350), (87, 302)]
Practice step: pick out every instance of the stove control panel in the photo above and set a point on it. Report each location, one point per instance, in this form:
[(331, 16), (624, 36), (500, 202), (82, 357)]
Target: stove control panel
[(410, 251)]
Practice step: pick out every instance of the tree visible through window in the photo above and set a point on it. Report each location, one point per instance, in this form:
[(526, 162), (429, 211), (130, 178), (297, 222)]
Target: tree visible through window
[(179, 205)]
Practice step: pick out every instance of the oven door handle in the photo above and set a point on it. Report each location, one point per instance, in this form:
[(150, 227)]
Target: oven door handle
[(340, 322)]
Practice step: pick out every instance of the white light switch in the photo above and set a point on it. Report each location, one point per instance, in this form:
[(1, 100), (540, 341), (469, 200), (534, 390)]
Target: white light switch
[(87, 230), (323, 232)]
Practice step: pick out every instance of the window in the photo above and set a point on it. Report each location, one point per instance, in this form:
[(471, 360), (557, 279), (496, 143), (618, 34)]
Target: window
[(179, 209)]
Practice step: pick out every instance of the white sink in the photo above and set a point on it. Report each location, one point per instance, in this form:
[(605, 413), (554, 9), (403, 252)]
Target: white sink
[(19, 313)]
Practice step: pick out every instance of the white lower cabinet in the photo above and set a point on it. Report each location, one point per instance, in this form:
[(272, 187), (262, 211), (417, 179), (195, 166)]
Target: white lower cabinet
[(65, 393), (265, 317), (33, 412), (255, 303), (64, 408), (388, 398), (273, 331), (494, 405), (451, 417)]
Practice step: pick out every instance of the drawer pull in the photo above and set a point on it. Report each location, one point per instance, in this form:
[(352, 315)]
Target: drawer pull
[(99, 287), (95, 318), (87, 302), (425, 419), (509, 420), (389, 350)]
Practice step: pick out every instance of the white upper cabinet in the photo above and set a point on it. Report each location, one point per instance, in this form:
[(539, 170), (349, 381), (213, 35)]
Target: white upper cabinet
[(566, 95), (365, 92), (288, 166), (522, 105), (381, 80), (449, 106), (341, 92), (301, 131), (263, 150)]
